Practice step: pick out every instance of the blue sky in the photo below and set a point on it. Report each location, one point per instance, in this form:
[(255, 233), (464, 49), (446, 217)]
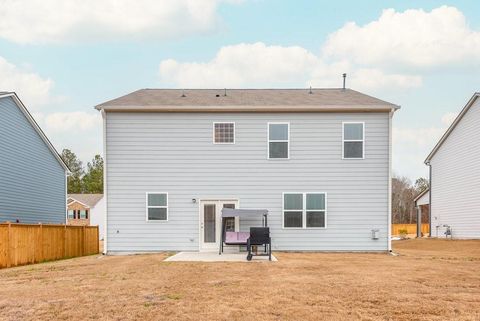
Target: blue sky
[(64, 57)]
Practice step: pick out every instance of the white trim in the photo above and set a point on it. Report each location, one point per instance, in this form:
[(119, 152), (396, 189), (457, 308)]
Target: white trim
[(353, 140), (105, 169), (37, 128), (389, 210), (74, 200), (216, 201), (278, 141), (452, 127), (66, 198), (151, 206), (213, 132), (304, 211)]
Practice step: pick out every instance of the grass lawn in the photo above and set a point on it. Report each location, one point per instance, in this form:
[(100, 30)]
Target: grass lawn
[(429, 280)]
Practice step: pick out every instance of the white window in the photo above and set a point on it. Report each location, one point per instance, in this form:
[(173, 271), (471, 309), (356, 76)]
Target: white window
[(224, 133), (278, 140), (304, 210), (157, 206), (353, 140), (71, 214), (83, 214)]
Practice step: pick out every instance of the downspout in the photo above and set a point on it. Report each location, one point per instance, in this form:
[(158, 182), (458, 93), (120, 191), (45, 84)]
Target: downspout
[(429, 196), (389, 219), (105, 228)]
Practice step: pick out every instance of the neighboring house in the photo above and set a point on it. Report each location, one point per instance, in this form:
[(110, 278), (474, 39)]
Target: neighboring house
[(32, 174), (87, 209), (319, 161), (455, 176), (422, 202)]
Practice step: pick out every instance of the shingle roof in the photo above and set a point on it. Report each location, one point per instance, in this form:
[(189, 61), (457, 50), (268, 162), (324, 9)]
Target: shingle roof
[(246, 100), (87, 199)]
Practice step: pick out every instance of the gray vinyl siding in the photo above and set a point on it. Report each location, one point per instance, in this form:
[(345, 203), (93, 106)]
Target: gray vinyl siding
[(174, 153), (32, 181), (456, 179)]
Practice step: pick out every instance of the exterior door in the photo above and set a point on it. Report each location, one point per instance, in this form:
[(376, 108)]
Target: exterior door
[(211, 223)]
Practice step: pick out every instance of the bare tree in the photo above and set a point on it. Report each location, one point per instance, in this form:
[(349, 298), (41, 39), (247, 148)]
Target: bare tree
[(403, 195)]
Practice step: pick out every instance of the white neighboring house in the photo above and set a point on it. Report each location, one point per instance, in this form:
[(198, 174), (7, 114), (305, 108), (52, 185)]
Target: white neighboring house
[(87, 209), (455, 176)]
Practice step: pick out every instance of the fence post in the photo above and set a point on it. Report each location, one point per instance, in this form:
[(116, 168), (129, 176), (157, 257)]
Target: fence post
[(65, 241), (83, 238), (98, 239), (40, 253), (9, 233)]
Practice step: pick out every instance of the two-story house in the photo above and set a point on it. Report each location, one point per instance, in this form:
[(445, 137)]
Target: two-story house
[(319, 160)]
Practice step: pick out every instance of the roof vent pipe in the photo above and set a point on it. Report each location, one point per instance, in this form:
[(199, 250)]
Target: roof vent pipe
[(310, 91), (344, 79), (183, 93), (225, 92)]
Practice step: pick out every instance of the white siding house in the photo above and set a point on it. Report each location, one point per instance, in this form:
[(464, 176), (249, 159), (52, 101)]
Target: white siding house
[(319, 161), (455, 176)]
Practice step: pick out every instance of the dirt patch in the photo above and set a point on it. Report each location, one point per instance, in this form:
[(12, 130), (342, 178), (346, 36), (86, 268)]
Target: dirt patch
[(429, 280)]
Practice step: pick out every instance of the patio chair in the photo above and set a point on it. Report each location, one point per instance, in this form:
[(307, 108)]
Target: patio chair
[(259, 236)]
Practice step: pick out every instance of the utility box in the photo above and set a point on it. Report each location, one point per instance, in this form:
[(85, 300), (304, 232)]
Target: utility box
[(375, 234)]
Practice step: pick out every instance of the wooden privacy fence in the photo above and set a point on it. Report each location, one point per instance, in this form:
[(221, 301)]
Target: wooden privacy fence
[(411, 228), (33, 243)]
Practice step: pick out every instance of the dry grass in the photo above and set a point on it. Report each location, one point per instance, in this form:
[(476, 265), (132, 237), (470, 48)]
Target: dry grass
[(429, 280)]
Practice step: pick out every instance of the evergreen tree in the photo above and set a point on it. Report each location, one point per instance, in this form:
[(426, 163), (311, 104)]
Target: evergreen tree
[(93, 179), (74, 181)]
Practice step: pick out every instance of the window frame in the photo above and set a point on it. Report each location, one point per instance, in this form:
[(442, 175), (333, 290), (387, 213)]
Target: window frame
[(278, 141), (353, 140), (147, 207), (73, 214), (304, 211), (80, 214), (224, 122)]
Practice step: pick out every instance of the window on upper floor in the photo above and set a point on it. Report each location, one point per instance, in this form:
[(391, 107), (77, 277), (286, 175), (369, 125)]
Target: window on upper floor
[(224, 133), (278, 140), (71, 214), (157, 206), (353, 140), (83, 214)]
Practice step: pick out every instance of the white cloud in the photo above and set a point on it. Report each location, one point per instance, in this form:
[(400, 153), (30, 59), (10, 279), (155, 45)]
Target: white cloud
[(70, 122), (413, 37), (412, 145), (54, 21), (31, 87), (259, 65), (448, 118)]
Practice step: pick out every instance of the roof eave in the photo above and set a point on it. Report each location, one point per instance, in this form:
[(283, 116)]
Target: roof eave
[(236, 108), (451, 127)]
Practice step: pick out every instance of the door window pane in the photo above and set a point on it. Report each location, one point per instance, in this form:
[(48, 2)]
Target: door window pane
[(209, 223), (229, 221)]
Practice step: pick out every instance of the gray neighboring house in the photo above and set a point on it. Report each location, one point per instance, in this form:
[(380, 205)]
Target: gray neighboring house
[(319, 160), (32, 174), (455, 176)]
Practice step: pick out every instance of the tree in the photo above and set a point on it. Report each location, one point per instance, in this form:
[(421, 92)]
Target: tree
[(421, 184), (76, 168), (93, 179)]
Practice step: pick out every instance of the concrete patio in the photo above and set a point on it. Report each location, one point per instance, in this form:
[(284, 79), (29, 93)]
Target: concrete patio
[(215, 257)]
